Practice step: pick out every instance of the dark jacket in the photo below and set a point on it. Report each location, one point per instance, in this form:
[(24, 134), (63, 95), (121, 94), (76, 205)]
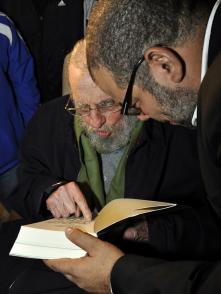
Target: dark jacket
[(163, 165), (209, 120), (138, 275), (50, 30)]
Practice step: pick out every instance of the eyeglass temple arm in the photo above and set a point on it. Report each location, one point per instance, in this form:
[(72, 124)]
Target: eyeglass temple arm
[(128, 96)]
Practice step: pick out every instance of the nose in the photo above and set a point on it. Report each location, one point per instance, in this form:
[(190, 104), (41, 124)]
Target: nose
[(96, 119)]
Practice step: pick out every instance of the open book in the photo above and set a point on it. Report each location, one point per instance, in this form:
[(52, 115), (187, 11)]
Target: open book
[(47, 240)]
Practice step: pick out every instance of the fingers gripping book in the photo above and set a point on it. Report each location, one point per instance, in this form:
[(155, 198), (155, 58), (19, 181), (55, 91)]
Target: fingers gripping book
[(47, 240)]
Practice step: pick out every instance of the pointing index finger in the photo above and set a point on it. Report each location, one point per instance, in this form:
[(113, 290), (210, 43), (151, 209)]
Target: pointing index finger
[(80, 200)]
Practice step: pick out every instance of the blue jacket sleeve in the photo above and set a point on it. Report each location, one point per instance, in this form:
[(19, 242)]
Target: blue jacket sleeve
[(22, 76)]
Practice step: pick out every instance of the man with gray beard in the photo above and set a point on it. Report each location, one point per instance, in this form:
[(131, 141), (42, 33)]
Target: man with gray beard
[(161, 59), (120, 134), (85, 154), (79, 153), (112, 147)]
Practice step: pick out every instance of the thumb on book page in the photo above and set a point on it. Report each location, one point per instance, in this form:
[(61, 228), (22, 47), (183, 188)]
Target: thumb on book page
[(84, 240)]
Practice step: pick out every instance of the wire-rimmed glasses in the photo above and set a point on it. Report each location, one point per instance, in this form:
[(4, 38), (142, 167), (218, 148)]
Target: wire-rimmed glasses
[(104, 107)]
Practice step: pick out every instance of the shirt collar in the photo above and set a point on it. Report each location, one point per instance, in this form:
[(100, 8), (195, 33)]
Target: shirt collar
[(204, 65)]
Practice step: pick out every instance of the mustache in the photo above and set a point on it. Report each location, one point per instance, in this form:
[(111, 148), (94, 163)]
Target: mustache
[(92, 130)]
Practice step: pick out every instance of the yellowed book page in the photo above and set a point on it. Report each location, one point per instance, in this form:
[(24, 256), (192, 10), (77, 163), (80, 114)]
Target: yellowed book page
[(119, 209), (60, 224)]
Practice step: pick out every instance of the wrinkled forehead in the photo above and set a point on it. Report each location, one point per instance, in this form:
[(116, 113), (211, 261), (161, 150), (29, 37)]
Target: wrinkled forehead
[(84, 90)]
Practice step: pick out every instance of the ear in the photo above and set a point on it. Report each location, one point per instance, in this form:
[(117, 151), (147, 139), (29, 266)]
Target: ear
[(165, 65)]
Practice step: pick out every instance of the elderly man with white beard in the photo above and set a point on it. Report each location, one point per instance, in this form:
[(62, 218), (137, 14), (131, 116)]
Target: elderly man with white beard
[(79, 153)]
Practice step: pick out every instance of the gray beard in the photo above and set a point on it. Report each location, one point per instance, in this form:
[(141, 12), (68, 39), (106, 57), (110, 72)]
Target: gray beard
[(120, 136), (178, 104)]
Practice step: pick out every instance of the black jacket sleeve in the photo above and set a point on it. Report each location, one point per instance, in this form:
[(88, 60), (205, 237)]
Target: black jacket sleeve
[(139, 275), (48, 156), (185, 232)]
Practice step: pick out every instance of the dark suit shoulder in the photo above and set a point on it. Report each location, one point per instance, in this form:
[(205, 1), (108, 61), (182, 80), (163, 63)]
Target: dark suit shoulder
[(51, 114)]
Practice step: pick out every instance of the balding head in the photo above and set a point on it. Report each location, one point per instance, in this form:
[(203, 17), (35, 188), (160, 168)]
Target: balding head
[(83, 89), (105, 127)]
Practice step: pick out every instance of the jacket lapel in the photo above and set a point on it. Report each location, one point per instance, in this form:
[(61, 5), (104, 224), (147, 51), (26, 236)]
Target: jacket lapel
[(215, 37)]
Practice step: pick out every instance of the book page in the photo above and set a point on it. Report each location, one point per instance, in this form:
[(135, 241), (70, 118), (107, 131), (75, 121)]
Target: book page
[(60, 224), (47, 240), (119, 209)]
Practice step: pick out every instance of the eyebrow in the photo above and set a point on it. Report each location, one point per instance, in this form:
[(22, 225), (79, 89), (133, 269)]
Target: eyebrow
[(99, 103)]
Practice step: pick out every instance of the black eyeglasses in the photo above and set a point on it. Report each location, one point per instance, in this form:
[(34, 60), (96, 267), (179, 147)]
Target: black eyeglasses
[(127, 107)]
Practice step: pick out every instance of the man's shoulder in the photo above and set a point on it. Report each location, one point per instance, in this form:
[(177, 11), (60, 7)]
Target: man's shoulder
[(6, 27), (50, 123), (8, 30), (165, 132), (6, 22), (52, 112), (4, 18), (55, 104)]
